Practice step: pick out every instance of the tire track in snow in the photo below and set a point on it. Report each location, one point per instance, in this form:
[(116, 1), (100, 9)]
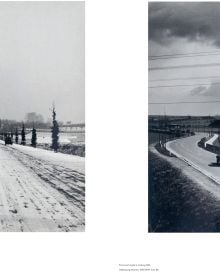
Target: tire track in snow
[(68, 182), (28, 203)]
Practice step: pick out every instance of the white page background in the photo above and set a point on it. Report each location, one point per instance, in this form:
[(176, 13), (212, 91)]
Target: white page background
[(116, 173)]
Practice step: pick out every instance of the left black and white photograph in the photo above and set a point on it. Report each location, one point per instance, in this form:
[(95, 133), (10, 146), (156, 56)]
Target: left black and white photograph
[(42, 116)]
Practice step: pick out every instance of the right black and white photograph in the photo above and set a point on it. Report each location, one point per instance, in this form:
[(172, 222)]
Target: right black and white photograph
[(184, 117)]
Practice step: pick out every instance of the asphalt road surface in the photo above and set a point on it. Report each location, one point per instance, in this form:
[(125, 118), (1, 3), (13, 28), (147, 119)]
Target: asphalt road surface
[(202, 160)]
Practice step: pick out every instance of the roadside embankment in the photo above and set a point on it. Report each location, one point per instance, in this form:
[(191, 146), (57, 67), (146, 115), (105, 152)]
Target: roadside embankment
[(179, 197)]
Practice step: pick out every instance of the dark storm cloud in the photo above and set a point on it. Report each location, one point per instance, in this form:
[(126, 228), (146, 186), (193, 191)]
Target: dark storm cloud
[(201, 90), (190, 20), (212, 91)]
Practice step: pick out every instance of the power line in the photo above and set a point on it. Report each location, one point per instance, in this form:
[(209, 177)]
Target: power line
[(183, 102), (192, 85), (189, 53), (187, 78), (164, 56), (183, 66), (183, 56)]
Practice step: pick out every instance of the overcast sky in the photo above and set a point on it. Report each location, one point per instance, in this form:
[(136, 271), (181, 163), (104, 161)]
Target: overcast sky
[(42, 59), (183, 28)]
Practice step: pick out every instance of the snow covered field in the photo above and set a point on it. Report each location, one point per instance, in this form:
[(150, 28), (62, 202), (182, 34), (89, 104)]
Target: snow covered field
[(41, 190), (64, 138), (72, 143)]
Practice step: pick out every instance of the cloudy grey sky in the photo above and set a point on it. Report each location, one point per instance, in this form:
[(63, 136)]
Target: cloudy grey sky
[(184, 28), (42, 59)]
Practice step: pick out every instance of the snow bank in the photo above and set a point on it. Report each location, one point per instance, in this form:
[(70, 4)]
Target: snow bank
[(68, 161), (211, 140)]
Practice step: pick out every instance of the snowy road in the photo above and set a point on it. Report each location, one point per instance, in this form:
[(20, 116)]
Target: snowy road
[(188, 150), (38, 193)]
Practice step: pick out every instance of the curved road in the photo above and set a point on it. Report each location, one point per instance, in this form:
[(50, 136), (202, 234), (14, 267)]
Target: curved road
[(202, 160)]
